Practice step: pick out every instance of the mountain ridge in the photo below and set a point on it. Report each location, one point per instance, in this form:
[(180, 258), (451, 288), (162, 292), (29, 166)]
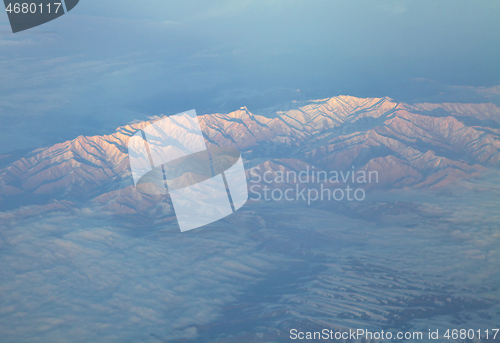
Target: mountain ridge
[(419, 145)]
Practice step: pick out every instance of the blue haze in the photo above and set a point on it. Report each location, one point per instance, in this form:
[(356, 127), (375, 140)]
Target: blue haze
[(109, 62)]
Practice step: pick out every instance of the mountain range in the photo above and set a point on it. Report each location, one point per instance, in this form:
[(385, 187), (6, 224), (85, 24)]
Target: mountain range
[(422, 145)]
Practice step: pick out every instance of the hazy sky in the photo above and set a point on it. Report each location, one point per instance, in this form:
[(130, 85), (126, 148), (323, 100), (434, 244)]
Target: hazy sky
[(106, 63)]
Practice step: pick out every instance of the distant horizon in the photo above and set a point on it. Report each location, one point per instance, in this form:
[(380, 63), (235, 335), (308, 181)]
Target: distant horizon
[(107, 63)]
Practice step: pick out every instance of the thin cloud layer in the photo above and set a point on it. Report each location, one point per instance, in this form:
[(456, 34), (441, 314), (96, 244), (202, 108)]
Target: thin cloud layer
[(76, 275)]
